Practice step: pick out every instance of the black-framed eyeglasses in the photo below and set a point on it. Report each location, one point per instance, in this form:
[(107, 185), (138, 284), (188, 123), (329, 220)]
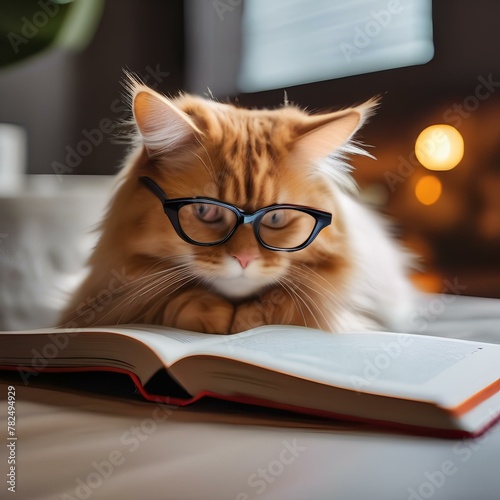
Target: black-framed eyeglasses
[(207, 221)]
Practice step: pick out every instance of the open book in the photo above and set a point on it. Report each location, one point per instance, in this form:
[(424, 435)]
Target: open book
[(435, 385)]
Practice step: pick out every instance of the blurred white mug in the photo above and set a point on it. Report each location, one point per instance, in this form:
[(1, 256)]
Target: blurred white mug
[(13, 155)]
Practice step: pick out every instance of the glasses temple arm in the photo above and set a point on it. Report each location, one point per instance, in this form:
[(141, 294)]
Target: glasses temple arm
[(154, 188)]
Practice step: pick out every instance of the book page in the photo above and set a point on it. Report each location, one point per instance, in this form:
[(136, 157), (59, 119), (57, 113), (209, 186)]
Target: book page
[(169, 344), (96, 345), (377, 362)]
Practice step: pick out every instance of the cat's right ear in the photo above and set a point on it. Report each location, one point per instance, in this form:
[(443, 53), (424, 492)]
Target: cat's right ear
[(162, 126)]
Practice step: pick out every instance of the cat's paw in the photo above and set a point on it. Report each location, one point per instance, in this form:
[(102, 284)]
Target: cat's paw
[(267, 309), (277, 307), (200, 311), (247, 316)]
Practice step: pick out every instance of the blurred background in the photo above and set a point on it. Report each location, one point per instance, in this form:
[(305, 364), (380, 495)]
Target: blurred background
[(432, 62)]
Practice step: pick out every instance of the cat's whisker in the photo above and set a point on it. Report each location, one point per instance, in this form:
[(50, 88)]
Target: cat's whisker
[(292, 287), (168, 281), (148, 277), (96, 305), (311, 276), (293, 296), (324, 298), (162, 262), (161, 300), (314, 308), (152, 285)]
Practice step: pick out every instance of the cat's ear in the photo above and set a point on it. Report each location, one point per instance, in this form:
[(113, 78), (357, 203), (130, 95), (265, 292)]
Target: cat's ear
[(162, 126), (321, 135)]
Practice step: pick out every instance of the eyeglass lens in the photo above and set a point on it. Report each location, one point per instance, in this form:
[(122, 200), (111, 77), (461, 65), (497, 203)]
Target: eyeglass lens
[(206, 222), (280, 228)]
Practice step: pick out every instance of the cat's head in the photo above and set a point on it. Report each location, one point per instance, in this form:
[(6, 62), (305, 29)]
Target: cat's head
[(252, 159)]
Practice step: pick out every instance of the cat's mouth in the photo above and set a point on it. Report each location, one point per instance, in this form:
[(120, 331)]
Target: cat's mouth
[(234, 280), (238, 288), (238, 282)]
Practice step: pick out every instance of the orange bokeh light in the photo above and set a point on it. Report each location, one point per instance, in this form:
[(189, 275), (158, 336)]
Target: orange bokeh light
[(428, 189), (439, 147)]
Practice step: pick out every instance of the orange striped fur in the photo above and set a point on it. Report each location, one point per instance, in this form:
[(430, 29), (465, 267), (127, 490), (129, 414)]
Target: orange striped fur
[(250, 158)]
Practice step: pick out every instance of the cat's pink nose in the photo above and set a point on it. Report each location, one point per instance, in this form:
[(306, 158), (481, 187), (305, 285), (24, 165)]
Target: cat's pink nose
[(245, 259)]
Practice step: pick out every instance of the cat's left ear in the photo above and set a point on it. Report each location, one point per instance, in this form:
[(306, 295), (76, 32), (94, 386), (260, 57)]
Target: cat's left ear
[(320, 135)]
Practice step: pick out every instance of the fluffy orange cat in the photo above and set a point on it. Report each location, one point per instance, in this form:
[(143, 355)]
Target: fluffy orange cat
[(226, 219)]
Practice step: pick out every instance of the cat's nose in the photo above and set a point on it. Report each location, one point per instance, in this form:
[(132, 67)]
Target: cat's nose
[(245, 258)]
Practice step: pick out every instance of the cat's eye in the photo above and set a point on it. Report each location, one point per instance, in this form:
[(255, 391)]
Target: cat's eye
[(276, 219), (206, 212), (204, 223), (207, 222), (286, 228)]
